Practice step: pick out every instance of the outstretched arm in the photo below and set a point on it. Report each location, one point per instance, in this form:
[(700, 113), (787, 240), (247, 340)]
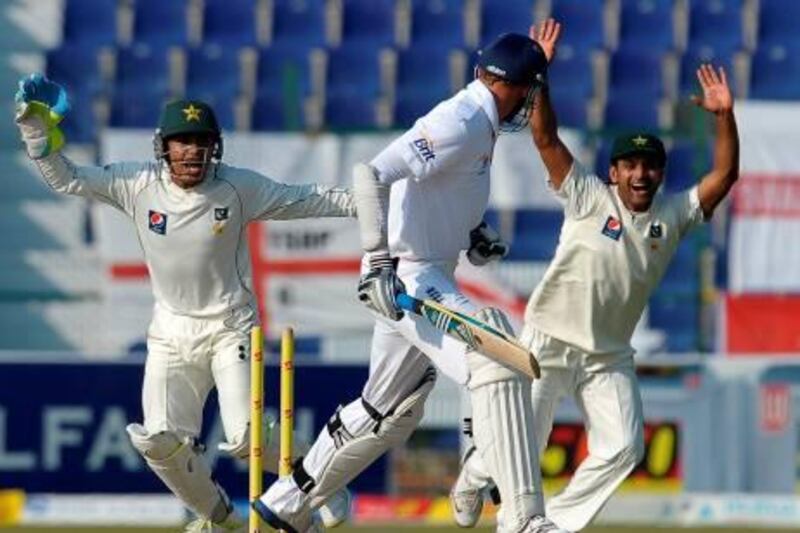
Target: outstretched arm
[(40, 106), (718, 99), (544, 127)]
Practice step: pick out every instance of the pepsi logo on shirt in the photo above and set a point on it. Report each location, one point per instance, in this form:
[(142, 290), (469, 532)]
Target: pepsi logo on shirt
[(612, 228), (157, 222)]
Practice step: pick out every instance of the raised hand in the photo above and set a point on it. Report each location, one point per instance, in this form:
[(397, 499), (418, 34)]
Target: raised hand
[(547, 36), (717, 96)]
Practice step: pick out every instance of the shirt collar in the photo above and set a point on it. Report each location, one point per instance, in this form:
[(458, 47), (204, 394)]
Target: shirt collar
[(484, 97)]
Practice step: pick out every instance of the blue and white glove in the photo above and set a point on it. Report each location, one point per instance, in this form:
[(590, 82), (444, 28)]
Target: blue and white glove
[(40, 106), (378, 288), (485, 245)]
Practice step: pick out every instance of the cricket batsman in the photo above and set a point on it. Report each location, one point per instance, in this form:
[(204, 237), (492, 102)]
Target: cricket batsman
[(418, 201), (615, 245), (190, 211)]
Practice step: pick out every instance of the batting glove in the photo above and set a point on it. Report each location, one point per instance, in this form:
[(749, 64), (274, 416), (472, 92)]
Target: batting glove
[(40, 106), (485, 245), (378, 287)]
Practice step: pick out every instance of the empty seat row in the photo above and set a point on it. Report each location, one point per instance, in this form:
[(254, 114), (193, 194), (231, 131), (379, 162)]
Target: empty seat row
[(659, 25)]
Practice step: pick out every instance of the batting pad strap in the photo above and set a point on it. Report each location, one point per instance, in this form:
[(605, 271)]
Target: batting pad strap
[(301, 478), (372, 203)]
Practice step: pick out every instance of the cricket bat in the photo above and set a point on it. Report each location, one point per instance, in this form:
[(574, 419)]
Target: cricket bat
[(476, 334)]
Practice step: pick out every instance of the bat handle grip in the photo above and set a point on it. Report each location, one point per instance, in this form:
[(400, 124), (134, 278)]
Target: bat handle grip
[(407, 302)]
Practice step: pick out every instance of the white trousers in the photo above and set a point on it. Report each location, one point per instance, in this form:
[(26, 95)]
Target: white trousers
[(610, 403), (186, 358), (400, 360)]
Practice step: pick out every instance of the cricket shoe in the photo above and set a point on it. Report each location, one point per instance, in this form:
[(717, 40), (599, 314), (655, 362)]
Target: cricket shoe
[(541, 524), (284, 506), (232, 524), (336, 510), (466, 506)]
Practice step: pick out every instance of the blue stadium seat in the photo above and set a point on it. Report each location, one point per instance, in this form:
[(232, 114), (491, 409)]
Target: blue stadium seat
[(283, 71), (350, 112), (298, 23), (684, 167), (506, 16), (571, 72), (134, 109), (90, 22), (716, 25), (423, 80), (423, 71), (626, 113), (647, 25), (368, 23), (575, 88), (694, 57), (76, 67), (775, 74), (571, 109), (270, 113), (409, 107), (536, 233), (437, 23), (161, 23), (584, 20), (282, 84), (352, 86), (142, 69), (353, 71), (230, 23), (777, 23), (679, 317), (602, 157), (636, 74), (213, 70)]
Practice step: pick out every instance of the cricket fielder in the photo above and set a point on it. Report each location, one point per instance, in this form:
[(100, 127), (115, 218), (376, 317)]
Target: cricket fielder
[(615, 245), (190, 211), (417, 202)]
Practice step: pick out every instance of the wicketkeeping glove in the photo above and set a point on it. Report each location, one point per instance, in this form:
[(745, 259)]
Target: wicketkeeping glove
[(485, 245), (378, 287), (40, 106)]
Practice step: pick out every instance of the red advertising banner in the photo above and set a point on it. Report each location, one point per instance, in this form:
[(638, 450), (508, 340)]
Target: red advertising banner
[(767, 324)]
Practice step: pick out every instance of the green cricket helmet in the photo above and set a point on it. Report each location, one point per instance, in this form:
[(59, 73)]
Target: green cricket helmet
[(187, 116)]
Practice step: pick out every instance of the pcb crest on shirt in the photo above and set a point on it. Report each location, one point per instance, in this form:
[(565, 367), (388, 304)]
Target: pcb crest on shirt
[(612, 228), (157, 222)]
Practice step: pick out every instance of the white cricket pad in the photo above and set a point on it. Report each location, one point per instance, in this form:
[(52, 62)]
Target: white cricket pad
[(183, 470), (354, 439), (502, 430)]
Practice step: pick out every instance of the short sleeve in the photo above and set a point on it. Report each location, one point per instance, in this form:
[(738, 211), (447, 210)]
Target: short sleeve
[(688, 210), (579, 191)]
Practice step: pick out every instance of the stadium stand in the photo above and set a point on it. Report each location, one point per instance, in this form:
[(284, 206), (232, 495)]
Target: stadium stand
[(438, 23), (90, 23), (297, 24), (367, 64), (230, 23)]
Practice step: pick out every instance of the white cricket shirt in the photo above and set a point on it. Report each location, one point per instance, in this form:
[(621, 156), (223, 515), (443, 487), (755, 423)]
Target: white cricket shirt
[(607, 263), (446, 155), (194, 241)]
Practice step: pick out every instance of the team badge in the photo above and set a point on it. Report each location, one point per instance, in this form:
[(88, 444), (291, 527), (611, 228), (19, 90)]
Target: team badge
[(220, 213), (656, 231), (157, 222), (612, 228)]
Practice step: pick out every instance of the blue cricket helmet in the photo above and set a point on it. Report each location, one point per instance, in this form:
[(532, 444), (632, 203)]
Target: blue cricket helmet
[(516, 58)]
